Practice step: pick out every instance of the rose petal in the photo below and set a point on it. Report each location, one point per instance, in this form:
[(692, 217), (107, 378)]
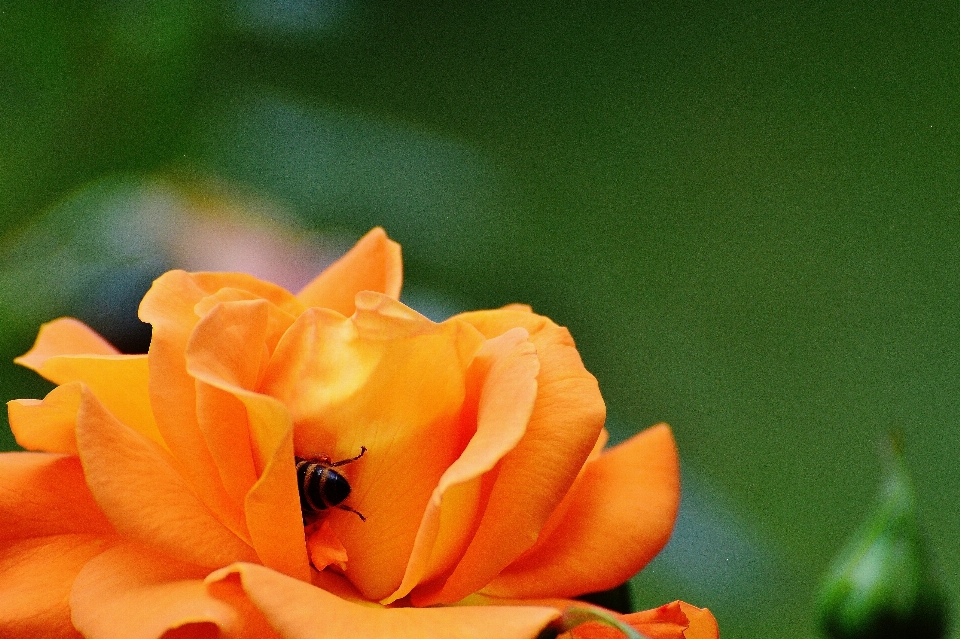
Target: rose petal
[(338, 585), (225, 354), (615, 519), (388, 379), (278, 319), (276, 295), (44, 494), (170, 307), (64, 336), (69, 351), (49, 424), (130, 592), (229, 348), (675, 620), (35, 579), (502, 387), (224, 423), (118, 381), (325, 548), (703, 625), (665, 622), (373, 264), (144, 497), (567, 419), (300, 611), (273, 504)]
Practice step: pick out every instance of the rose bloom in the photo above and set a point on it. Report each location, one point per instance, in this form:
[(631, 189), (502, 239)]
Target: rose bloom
[(161, 496)]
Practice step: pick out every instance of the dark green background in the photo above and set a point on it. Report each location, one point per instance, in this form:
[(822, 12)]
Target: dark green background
[(748, 214)]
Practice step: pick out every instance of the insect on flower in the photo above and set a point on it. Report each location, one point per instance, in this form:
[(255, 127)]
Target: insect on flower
[(321, 486)]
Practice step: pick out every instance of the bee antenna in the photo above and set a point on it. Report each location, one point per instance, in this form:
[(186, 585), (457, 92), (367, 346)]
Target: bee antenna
[(351, 510)]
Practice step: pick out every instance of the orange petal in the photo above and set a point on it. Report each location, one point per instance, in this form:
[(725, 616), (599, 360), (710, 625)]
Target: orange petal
[(129, 592), (675, 620), (170, 307), (230, 347), (224, 353), (64, 336), (252, 432), (502, 387), (228, 344), (43, 494), (48, 425), (388, 379), (567, 419), (68, 351), (325, 548), (224, 423), (666, 622), (119, 382), (657, 628), (35, 579), (279, 318), (297, 610), (144, 497), (703, 625), (616, 518), (272, 506), (373, 264), (499, 321), (338, 585)]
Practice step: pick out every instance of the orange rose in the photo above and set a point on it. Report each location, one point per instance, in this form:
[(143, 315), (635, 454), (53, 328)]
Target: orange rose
[(165, 498)]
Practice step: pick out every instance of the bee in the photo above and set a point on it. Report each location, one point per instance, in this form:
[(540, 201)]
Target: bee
[(321, 486)]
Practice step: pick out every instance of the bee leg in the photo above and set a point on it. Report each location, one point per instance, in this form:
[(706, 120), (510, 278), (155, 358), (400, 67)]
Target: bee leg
[(344, 462), (351, 510)]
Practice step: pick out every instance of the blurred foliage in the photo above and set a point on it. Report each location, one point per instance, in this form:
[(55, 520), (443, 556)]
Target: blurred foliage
[(746, 213), (89, 88)]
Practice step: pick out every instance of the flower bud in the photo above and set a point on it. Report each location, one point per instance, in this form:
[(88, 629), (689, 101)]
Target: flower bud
[(882, 584)]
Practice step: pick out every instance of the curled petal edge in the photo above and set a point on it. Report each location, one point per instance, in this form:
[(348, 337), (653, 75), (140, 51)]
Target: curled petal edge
[(373, 264), (166, 595), (135, 483), (504, 372), (618, 514), (675, 620)]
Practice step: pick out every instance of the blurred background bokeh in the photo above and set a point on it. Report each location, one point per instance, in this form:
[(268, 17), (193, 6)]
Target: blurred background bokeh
[(748, 214)]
